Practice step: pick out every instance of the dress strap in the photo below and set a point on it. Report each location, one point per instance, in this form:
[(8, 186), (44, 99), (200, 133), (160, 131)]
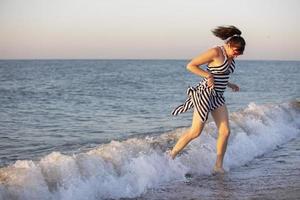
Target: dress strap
[(223, 51)]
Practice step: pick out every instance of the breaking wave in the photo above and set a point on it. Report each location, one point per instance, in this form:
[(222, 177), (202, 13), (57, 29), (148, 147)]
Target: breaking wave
[(128, 168)]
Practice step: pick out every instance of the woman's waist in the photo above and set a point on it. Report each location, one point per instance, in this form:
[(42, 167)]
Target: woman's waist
[(219, 88), (222, 81), (220, 76)]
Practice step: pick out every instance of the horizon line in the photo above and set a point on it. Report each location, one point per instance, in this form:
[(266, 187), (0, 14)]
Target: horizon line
[(28, 59)]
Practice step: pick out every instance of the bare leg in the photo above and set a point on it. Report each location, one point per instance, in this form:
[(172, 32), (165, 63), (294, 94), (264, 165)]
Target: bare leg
[(220, 116), (194, 131)]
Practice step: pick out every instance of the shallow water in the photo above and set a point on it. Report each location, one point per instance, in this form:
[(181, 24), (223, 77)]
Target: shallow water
[(132, 167), (274, 175)]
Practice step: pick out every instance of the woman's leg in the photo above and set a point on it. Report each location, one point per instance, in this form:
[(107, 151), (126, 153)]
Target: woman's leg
[(192, 133), (220, 116)]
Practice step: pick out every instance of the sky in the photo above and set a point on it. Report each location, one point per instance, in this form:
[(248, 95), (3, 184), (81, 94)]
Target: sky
[(145, 29)]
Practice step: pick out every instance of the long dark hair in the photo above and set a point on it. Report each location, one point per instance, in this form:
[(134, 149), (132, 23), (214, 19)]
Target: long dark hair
[(232, 36)]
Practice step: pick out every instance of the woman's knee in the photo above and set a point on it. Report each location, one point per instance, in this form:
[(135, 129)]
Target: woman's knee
[(194, 133), (225, 132)]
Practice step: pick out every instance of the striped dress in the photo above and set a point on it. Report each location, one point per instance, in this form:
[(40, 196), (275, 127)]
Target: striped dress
[(206, 99)]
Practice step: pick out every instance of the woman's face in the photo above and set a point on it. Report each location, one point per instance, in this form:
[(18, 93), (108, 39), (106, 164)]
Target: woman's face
[(233, 51)]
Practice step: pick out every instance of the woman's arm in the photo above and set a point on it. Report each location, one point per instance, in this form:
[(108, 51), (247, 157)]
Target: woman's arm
[(234, 87), (204, 58)]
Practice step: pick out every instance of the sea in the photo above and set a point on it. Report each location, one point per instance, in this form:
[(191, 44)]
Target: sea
[(100, 129)]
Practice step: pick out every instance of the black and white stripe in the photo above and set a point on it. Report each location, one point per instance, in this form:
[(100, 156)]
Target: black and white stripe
[(205, 99)]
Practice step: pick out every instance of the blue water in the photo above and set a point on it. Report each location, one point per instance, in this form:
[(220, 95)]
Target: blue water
[(55, 108)]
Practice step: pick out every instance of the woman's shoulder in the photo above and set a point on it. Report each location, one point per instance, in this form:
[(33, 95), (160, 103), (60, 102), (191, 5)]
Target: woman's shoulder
[(215, 51), (219, 58)]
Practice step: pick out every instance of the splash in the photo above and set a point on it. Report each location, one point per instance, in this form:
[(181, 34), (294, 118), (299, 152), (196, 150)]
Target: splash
[(129, 168)]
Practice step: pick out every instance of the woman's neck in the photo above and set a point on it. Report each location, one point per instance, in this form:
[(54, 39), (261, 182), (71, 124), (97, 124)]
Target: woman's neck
[(226, 48)]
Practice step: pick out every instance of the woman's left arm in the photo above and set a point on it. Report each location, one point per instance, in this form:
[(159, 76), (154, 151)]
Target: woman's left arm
[(234, 87)]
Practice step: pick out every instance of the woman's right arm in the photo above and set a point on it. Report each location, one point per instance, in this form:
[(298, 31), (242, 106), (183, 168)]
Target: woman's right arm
[(205, 58)]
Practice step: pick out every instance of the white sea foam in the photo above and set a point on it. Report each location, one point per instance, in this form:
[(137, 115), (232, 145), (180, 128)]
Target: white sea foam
[(128, 168)]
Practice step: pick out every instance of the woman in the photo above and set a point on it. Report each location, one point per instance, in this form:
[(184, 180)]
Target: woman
[(207, 96)]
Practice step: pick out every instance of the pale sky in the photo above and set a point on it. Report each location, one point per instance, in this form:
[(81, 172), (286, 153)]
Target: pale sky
[(145, 29)]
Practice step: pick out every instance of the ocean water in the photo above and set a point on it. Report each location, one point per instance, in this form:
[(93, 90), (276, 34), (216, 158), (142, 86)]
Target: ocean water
[(99, 129)]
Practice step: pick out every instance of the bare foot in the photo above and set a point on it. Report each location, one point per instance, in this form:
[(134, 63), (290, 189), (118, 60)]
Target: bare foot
[(218, 170), (169, 153)]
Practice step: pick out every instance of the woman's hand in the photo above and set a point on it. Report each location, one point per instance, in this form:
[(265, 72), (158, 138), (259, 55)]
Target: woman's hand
[(210, 81), (234, 87)]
